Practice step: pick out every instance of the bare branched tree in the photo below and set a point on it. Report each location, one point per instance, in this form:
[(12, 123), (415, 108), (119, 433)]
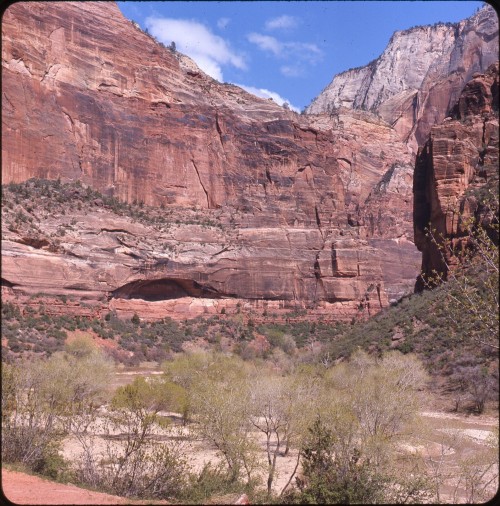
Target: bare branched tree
[(469, 274)]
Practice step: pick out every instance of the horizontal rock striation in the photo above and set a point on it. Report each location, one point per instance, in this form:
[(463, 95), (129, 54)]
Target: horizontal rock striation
[(184, 261), (419, 76), (316, 210)]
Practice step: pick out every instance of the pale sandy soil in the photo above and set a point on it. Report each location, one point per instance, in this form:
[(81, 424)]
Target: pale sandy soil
[(481, 435), (20, 488), (25, 489), (473, 431), (197, 451), (475, 420), (453, 439)]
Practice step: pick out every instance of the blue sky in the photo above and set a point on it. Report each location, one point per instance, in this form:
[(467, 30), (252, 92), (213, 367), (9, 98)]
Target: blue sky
[(287, 50)]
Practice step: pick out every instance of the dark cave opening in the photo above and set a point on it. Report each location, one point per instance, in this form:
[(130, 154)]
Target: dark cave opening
[(164, 289), (6, 283)]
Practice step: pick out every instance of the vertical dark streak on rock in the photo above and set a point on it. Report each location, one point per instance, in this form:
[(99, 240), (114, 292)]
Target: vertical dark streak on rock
[(201, 183)]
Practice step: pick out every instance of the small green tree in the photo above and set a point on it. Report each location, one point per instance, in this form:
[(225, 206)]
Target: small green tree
[(221, 402), (218, 398), (333, 478), (186, 370), (368, 406)]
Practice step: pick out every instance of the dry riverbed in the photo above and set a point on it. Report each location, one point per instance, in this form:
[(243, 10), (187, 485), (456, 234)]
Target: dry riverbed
[(445, 437)]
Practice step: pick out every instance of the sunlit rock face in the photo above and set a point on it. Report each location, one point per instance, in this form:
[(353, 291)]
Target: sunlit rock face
[(419, 76), (455, 167), (314, 210)]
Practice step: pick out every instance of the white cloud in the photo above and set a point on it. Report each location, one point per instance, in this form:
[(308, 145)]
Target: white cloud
[(287, 50), (208, 65), (208, 50), (281, 23), (263, 93), (266, 43), (222, 23)]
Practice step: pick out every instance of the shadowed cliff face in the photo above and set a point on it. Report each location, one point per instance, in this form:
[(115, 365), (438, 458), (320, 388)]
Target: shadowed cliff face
[(419, 76), (456, 165), (320, 207)]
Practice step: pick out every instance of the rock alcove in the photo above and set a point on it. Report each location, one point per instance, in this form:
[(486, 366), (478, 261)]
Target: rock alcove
[(152, 290)]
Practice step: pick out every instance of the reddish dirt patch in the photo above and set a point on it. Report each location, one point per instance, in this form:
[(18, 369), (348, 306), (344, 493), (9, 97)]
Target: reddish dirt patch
[(102, 343), (21, 488)]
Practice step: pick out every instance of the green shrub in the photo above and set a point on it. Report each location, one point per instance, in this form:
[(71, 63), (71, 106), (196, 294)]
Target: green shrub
[(211, 481), (52, 464)]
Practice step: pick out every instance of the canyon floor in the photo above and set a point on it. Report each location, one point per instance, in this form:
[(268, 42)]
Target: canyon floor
[(449, 438)]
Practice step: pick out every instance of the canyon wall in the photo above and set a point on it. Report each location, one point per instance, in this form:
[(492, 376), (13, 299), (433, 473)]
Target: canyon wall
[(419, 76), (455, 170), (312, 210)]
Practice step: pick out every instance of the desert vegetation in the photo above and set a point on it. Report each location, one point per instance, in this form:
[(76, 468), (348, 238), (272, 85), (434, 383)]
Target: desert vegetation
[(347, 431), (464, 372), (307, 419), (55, 197), (282, 408)]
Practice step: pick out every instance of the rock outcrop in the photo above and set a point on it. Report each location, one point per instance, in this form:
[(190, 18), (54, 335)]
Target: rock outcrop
[(419, 76), (455, 168), (319, 208)]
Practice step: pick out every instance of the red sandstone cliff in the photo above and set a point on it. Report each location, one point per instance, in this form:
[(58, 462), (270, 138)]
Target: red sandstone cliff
[(319, 208), (459, 159)]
